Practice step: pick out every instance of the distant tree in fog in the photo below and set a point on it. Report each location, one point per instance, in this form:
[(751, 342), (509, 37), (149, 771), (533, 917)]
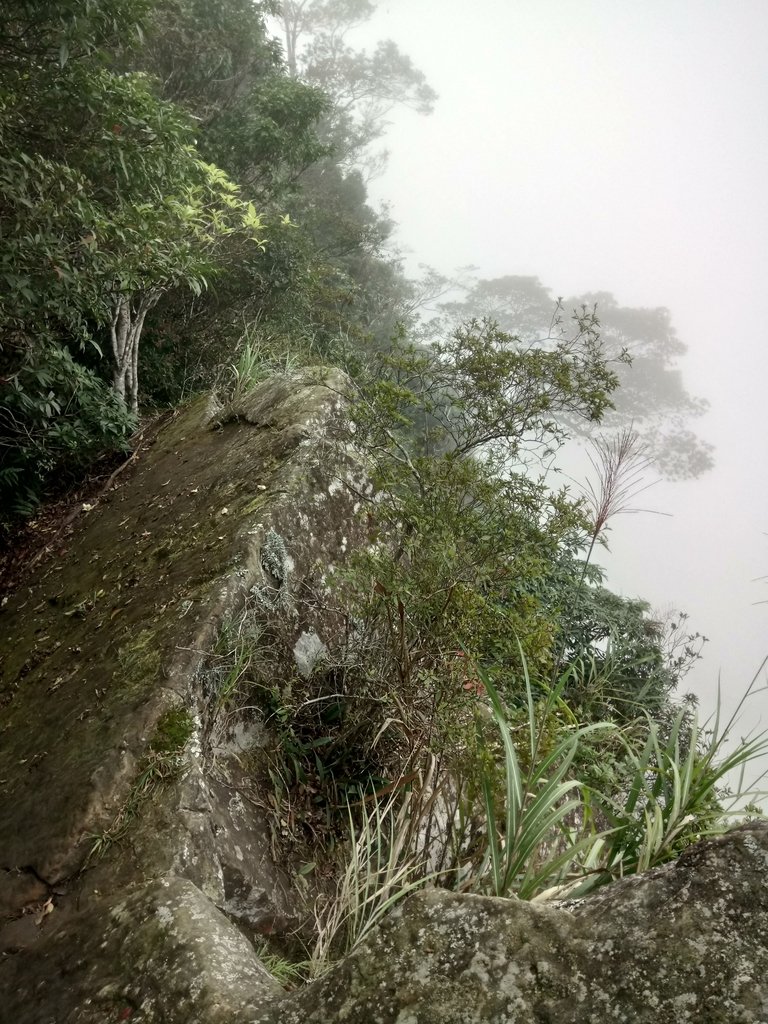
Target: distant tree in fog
[(363, 87), (652, 394)]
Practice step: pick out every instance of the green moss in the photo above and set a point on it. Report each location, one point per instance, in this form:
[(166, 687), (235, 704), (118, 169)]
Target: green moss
[(164, 550), (139, 661), (172, 732), (253, 506), (185, 425), (163, 763)]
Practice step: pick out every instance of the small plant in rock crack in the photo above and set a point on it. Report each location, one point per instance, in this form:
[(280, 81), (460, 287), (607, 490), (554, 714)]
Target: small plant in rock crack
[(288, 973), (379, 868), (322, 753), (233, 676), (258, 358), (163, 762)]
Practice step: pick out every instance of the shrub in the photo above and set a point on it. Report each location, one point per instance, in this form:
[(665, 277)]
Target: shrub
[(56, 418)]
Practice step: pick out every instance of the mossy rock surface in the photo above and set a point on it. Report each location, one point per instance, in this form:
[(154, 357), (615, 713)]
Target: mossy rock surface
[(101, 647), (157, 955), (684, 944), (112, 733)]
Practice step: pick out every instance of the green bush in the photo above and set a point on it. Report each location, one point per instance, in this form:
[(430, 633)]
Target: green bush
[(56, 418)]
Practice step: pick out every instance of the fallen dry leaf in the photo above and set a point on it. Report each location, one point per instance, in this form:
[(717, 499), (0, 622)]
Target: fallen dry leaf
[(43, 912)]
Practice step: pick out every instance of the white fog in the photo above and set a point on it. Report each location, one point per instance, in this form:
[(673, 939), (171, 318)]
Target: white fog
[(619, 147)]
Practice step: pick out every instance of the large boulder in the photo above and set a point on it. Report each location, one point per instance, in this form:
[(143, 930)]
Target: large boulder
[(683, 944), (124, 752), (162, 952), (139, 870)]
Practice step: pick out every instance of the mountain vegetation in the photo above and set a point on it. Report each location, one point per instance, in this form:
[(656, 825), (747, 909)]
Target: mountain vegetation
[(184, 207)]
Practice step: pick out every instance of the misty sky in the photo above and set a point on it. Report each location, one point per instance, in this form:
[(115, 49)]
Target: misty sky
[(622, 146)]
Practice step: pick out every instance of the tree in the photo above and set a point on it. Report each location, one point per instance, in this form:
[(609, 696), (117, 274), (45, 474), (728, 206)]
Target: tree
[(652, 395), (105, 202), (55, 414), (206, 57), (363, 87), (332, 18), (50, 74), (169, 242), (219, 63), (473, 561), (56, 418), (269, 138), (625, 659), (486, 394), (448, 430), (62, 30)]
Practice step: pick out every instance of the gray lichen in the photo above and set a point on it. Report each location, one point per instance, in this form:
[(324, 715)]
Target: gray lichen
[(278, 569)]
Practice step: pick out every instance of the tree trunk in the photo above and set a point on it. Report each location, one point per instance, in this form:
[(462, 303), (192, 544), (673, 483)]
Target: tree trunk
[(126, 327), (120, 332), (138, 326)]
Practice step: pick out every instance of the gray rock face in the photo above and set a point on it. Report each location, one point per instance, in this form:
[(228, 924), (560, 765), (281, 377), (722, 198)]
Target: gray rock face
[(684, 944), (100, 642), (112, 672), (163, 953)]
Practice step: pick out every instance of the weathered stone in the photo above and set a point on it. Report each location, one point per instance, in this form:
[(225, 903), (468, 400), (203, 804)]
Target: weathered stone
[(684, 944), (125, 897), (164, 953), (309, 651), (19, 889), (107, 658)]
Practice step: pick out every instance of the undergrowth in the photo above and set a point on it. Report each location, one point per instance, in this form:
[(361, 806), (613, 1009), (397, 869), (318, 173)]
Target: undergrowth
[(521, 823)]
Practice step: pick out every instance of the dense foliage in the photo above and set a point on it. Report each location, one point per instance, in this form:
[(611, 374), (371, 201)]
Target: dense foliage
[(176, 180), (106, 206), (476, 561)]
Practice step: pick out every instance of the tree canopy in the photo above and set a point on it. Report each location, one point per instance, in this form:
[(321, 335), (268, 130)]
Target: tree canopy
[(173, 183), (652, 395)]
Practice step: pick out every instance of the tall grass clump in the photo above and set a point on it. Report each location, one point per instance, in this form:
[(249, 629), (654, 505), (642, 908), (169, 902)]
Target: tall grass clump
[(545, 831), (683, 786), (523, 823), (260, 357), (382, 867), (546, 827), (529, 840)]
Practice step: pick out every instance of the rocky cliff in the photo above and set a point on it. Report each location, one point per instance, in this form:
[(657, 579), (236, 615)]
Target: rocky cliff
[(139, 867), (121, 758)]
